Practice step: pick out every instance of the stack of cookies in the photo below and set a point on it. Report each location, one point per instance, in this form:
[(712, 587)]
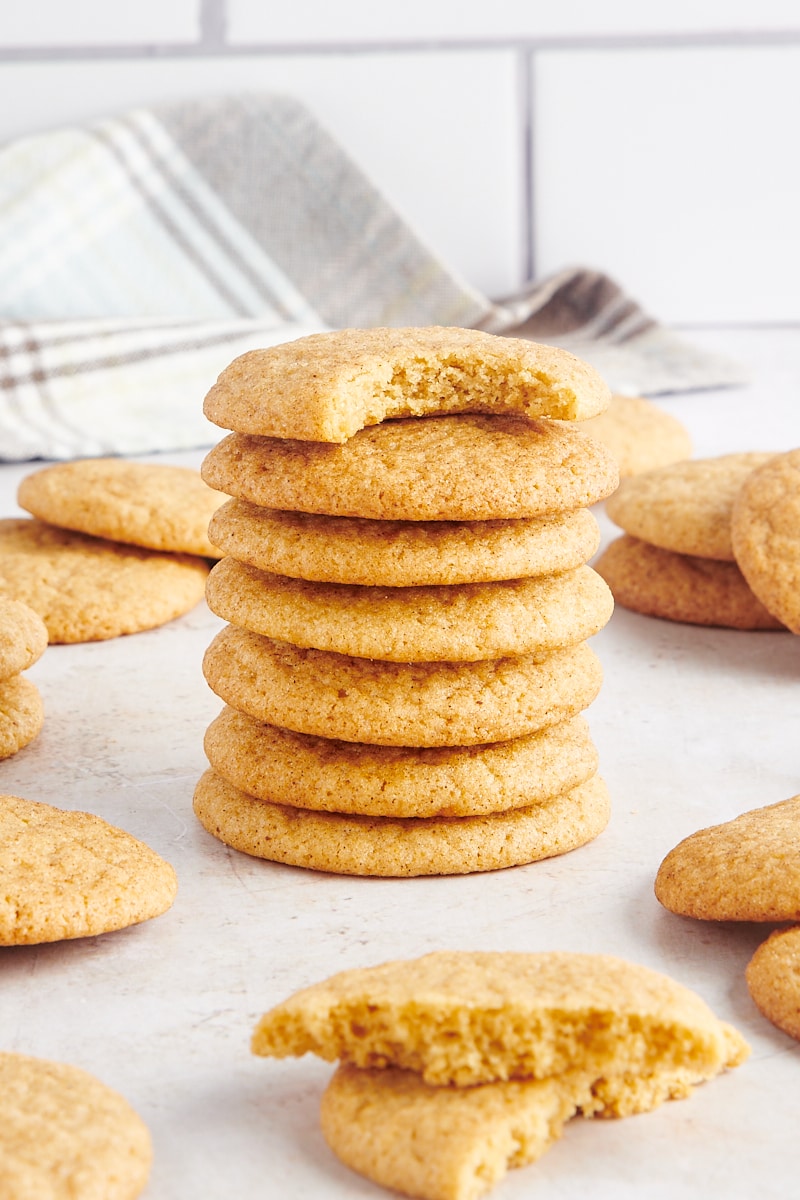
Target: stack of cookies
[(23, 640), (408, 603), (703, 541)]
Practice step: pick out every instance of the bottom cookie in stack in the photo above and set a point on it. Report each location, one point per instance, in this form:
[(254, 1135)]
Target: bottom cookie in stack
[(364, 767)]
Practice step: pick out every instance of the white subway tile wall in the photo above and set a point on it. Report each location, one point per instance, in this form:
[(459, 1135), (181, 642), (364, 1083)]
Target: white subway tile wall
[(674, 170), (461, 20), (49, 23), (656, 142)]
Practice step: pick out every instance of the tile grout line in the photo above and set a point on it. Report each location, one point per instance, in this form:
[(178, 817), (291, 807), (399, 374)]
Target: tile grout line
[(213, 25), (526, 67), (213, 42)]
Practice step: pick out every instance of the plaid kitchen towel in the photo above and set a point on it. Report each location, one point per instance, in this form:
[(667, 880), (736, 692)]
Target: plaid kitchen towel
[(140, 254)]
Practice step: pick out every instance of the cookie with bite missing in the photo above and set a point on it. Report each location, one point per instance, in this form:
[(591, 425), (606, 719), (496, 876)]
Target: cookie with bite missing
[(69, 874), (470, 1017), (681, 587), (398, 704), (356, 550), (400, 847), (328, 386), (155, 505), (746, 869), (773, 979), (686, 506), (272, 763), (462, 468), (89, 589), (23, 637), (448, 623), (765, 532), (444, 1143), (64, 1134)]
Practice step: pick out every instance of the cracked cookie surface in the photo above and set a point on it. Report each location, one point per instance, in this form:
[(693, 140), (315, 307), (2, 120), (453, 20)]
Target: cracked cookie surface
[(69, 874)]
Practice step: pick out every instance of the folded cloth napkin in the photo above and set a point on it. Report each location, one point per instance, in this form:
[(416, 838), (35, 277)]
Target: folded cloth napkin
[(139, 255)]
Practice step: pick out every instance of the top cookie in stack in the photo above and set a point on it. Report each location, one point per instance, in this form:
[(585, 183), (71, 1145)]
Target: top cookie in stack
[(408, 599)]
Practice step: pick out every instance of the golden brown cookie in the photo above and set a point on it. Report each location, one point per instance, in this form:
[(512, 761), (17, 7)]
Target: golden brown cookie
[(70, 874), (747, 869), (460, 1017), (88, 589), (21, 714), (387, 781), (64, 1135), (462, 468), (398, 704), (766, 535), (328, 386), (155, 505), (402, 553), (687, 506), (443, 1143), (400, 847), (680, 587), (23, 637), (462, 622), (640, 435), (773, 979)]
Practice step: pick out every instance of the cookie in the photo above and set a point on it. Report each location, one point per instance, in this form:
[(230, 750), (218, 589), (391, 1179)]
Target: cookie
[(462, 468), (327, 386), (680, 587), (459, 623), (747, 869), (443, 1143), (401, 553), (687, 506), (21, 714), (386, 781), (773, 979), (154, 505), (71, 874), (400, 847), (65, 1135), (398, 704), (23, 637), (89, 589), (640, 435), (765, 531), (461, 1017)]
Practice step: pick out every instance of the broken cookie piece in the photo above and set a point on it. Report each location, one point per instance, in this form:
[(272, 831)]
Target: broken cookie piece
[(458, 1065)]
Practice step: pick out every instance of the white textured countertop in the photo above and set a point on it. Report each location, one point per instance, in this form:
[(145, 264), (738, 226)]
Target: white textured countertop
[(693, 727)]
